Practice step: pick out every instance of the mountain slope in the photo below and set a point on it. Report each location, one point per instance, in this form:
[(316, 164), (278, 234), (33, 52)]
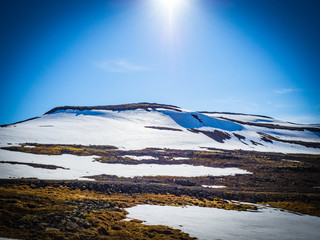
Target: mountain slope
[(144, 125)]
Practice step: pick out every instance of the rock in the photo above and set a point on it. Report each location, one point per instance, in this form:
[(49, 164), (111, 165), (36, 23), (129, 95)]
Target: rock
[(51, 230), (103, 231), (71, 225), (87, 225)]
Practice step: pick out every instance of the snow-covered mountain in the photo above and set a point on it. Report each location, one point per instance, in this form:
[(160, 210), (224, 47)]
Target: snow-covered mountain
[(145, 125)]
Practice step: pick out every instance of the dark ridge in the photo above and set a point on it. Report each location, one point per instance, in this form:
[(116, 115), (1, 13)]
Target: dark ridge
[(267, 137), (240, 137), (6, 125), (273, 126), (255, 143), (237, 114), (121, 107), (215, 135), (196, 117), (164, 128), (36, 165)]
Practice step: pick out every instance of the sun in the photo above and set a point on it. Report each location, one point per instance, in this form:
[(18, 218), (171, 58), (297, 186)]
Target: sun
[(171, 5), (171, 12)]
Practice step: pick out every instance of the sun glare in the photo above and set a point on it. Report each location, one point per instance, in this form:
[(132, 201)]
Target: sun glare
[(171, 9), (171, 13), (171, 5)]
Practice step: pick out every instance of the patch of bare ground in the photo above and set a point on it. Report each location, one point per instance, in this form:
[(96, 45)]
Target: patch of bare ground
[(216, 135), (164, 128), (273, 126), (36, 165), (268, 138), (35, 212), (240, 137)]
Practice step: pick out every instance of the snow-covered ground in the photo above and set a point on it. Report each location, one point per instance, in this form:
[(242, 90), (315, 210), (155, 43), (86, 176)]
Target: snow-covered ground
[(127, 130), (213, 186), (76, 167), (212, 223), (140, 157), (180, 158), (259, 119)]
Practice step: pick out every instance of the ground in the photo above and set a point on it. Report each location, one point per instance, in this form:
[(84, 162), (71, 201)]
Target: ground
[(70, 209)]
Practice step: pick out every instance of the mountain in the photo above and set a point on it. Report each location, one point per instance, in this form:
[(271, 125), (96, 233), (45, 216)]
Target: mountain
[(100, 172), (150, 125)]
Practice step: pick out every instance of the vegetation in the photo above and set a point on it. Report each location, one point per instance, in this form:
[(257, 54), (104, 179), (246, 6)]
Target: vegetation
[(63, 213), (276, 178), (311, 208)]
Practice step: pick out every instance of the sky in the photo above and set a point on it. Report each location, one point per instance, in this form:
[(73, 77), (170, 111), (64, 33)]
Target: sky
[(245, 56)]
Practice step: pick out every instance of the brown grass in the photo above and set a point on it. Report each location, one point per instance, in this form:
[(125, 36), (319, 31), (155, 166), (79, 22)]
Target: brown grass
[(62, 213), (310, 208)]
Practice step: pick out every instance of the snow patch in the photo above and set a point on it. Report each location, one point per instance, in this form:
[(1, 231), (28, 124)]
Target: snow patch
[(213, 186), (76, 167), (212, 223), (193, 120), (180, 158), (140, 157)]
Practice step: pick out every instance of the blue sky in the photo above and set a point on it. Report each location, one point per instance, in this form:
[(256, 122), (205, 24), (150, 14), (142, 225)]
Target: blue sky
[(248, 56)]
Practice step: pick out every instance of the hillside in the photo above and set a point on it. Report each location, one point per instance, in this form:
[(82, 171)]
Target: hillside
[(139, 126)]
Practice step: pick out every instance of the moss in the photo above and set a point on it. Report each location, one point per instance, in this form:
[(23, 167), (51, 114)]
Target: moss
[(311, 208), (62, 213), (276, 177)]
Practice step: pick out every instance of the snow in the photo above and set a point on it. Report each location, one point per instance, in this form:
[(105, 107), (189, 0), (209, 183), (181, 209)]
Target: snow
[(259, 119), (126, 130), (1, 238), (213, 186), (79, 166), (291, 160), (293, 135), (189, 120), (140, 157), (180, 158), (212, 223)]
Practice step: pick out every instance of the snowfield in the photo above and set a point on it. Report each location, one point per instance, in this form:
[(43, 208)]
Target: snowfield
[(77, 167), (212, 223), (156, 128)]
